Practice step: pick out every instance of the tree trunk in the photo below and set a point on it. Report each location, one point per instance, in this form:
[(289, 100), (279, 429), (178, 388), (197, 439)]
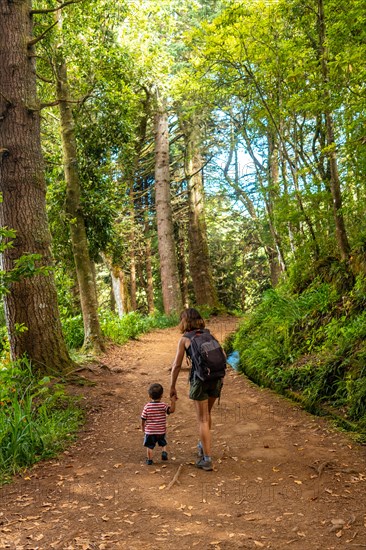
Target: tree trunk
[(168, 262), (118, 286), (133, 289), (335, 184), (273, 187), (149, 271), (199, 259), (183, 275), (88, 296), (30, 302)]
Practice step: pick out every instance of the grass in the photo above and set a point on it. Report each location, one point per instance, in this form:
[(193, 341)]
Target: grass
[(117, 329), (37, 418), (311, 345)]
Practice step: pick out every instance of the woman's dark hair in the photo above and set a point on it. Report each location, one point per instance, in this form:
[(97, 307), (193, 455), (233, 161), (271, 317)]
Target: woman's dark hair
[(190, 319), (156, 391)]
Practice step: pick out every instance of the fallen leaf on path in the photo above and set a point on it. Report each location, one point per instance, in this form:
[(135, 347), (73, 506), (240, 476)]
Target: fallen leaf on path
[(331, 493), (337, 521), (353, 538), (36, 537)]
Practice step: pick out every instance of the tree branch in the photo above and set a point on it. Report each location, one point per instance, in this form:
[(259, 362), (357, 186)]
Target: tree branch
[(50, 10), (41, 36), (50, 104), (44, 79)]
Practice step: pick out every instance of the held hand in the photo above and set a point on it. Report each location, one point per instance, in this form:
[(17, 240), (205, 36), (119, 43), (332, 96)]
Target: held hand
[(173, 394)]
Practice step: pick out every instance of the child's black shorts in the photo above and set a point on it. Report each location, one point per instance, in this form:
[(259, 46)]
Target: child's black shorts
[(151, 440)]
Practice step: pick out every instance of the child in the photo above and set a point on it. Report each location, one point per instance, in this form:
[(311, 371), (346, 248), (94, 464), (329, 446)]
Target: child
[(153, 423)]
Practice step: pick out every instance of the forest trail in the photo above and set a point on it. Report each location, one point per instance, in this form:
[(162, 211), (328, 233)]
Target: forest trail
[(282, 478)]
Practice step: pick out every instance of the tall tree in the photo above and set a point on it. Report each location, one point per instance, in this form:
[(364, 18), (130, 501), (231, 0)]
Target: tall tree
[(335, 184), (31, 308), (199, 259), (85, 273), (172, 297)]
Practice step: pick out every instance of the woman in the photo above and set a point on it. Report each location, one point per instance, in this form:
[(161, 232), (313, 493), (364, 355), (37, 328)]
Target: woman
[(204, 394)]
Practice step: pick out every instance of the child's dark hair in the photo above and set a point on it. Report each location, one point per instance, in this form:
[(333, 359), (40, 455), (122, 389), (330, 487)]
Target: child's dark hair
[(156, 391)]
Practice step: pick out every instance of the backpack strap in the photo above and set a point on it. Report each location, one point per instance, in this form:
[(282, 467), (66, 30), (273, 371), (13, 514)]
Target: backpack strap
[(192, 333)]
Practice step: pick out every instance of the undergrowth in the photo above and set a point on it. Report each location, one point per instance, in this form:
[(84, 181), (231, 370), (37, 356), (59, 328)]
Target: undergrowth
[(115, 328), (312, 345), (131, 325), (37, 418)]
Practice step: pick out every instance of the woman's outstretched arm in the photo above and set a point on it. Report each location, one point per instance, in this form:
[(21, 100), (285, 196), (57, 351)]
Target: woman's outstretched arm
[(177, 366)]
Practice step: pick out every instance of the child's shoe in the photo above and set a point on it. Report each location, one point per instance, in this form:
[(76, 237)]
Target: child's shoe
[(164, 455), (149, 461)]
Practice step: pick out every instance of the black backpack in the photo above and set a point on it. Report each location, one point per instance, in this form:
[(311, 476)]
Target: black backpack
[(207, 356)]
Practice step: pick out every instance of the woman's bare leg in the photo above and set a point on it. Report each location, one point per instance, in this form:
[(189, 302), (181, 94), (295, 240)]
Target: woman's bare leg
[(203, 411)]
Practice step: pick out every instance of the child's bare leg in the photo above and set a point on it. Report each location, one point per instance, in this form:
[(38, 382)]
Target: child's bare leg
[(149, 453)]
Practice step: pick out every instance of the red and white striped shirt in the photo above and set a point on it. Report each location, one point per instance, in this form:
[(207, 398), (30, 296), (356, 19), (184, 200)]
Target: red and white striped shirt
[(155, 415)]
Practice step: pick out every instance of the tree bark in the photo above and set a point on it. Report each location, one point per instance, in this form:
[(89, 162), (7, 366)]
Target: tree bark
[(88, 296), (31, 302), (199, 259), (133, 244), (182, 268), (118, 286), (335, 184), (172, 298), (149, 271)]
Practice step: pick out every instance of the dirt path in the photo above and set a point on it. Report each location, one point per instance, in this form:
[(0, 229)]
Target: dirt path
[(282, 478)]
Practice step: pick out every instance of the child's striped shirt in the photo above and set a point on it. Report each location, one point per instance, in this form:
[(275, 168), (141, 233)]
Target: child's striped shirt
[(155, 416)]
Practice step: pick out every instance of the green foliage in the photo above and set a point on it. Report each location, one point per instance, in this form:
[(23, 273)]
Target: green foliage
[(37, 418), (311, 344), (73, 330), (120, 330), (117, 329)]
